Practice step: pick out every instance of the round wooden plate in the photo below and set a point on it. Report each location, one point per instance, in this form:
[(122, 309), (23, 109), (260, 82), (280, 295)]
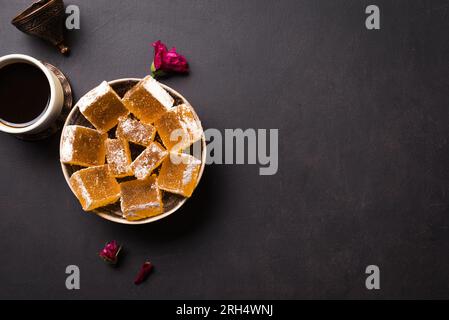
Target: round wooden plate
[(172, 202)]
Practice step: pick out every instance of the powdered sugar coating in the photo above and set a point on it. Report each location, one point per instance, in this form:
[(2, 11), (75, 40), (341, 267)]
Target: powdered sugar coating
[(190, 171), (148, 160), (102, 107), (95, 187), (147, 100), (156, 90), (93, 95), (118, 157), (179, 176), (67, 145), (179, 128), (140, 198), (82, 146), (84, 194), (135, 131)]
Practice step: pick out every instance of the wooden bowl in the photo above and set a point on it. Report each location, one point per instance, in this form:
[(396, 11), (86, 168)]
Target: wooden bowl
[(172, 202)]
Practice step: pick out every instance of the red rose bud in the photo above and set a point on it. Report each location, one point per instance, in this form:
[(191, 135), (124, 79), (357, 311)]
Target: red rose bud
[(166, 61), (110, 252), (145, 270)]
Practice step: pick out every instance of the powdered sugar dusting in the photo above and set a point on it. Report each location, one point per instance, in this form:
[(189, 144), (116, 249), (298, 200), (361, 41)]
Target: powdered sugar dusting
[(144, 206), (135, 131), (84, 193), (118, 156), (189, 123), (159, 93), (93, 95), (148, 160), (68, 137), (190, 170)]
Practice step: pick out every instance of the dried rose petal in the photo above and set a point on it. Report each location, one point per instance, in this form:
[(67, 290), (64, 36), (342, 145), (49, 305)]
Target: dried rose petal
[(145, 270), (167, 60), (110, 252), (159, 51)]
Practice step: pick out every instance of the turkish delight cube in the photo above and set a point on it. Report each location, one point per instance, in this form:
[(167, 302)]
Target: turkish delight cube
[(147, 100), (102, 107), (148, 160), (179, 174), (135, 131), (118, 157), (82, 146), (140, 199), (179, 128), (95, 187)]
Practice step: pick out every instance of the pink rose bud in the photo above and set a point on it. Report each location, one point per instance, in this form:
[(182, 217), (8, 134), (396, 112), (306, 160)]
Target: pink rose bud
[(145, 270), (166, 61), (110, 252)]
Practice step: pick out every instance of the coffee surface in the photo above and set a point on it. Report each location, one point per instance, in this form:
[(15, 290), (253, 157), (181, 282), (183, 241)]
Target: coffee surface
[(24, 93)]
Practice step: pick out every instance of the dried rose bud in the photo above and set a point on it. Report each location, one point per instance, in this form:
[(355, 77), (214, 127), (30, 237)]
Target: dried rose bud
[(110, 252), (145, 270), (166, 61)]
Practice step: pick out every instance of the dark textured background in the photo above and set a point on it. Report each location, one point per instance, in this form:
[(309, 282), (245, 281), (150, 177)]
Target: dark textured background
[(364, 154)]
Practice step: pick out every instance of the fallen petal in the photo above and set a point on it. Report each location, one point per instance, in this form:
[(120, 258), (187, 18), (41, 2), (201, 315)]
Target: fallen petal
[(110, 252), (145, 270)]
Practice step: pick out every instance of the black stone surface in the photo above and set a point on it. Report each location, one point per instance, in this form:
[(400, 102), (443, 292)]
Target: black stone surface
[(363, 178)]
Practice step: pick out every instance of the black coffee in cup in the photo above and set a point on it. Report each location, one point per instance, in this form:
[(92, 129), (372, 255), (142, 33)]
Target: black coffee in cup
[(24, 94)]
